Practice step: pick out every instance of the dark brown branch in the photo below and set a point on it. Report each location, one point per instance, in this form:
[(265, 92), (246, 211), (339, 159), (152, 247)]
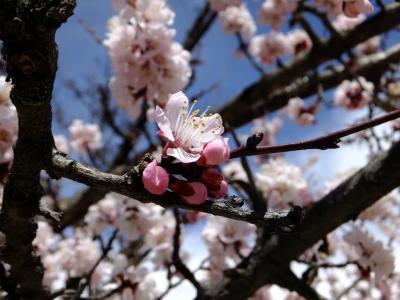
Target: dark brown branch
[(27, 29), (261, 97), (131, 186), (176, 259), (199, 27), (329, 141)]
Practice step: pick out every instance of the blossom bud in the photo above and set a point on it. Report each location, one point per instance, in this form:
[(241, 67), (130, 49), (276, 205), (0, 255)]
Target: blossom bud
[(216, 152), (211, 178), (191, 192), (155, 178), (221, 191)]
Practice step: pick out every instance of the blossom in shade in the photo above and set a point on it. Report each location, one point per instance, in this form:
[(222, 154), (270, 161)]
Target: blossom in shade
[(84, 136), (353, 8), (5, 89), (214, 182), (61, 143), (300, 41), (268, 47), (155, 178), (190, 192), (298, 112), (275, 12), (237, 19), (354, 94), (344, 23), (220, 192), (368, 47), (282, 184), (216, 152), (370, 254), (219, 5), (186, 131)]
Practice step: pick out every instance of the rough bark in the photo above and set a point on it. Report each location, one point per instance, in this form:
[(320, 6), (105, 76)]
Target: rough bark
[(27, 29)]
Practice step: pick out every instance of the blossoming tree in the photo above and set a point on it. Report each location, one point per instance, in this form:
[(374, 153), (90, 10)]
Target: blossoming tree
[(153, 162)]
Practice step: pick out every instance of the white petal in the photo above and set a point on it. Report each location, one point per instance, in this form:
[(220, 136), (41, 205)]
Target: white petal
[(182, 155), (164, 124), (211, 127), (176, 108)]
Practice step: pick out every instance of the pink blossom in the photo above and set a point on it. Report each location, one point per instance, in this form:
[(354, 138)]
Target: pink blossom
[(216, 152), (344, 23), (275, 12), (370, 46), (61, 143), (354, 94), (219, 5), (191, 192), (147, 63), (268, 47), (155, 178), (237, 19), (300, 41), (370, 254), (85, 137), (298, 112), (353, 8), (220, 192), (186, 132)]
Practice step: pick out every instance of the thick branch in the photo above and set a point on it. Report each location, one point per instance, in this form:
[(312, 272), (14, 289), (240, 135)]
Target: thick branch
[(258, 98), (130, 185), (27, 29)]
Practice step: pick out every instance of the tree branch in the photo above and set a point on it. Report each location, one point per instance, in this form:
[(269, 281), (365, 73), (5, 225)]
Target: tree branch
[(329, 141), (131, 186), (27, 29)]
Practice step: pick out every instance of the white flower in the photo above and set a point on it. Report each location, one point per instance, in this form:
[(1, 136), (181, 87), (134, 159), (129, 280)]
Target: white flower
[(275, 12), (237, 19), (5, 89), (354, 94), (186, 132), (370, 253), (61, 143), (282, 183), (85, 137), (266, 48)]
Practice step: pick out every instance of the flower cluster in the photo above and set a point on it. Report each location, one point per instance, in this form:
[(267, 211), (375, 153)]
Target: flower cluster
[(227, 240), (268, 47), (237, 19), (275, 12), (282, 184), (148, 64), (194, 147), (354, 94), (220, 5), (8, 122), (84, 137), (370, 254), (298, 112), (350, 8)]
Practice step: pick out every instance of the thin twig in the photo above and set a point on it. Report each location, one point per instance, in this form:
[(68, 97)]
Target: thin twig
[(329, 141)]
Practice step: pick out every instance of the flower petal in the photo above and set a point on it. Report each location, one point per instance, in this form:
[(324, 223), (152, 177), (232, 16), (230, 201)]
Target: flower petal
[(164, 124), (176, 109), (182, 155), (211, 127)]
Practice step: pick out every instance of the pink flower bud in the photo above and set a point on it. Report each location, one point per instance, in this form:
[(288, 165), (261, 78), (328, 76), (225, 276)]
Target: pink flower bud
[(155, 178), (211, 178), (191, 192), (221, 192), (216, 152)]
